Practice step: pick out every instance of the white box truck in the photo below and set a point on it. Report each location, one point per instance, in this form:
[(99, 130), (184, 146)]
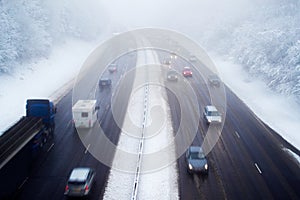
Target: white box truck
[(85, 113)]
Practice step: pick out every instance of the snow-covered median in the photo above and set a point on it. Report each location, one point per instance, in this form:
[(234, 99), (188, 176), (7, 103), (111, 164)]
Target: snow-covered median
[(152, 184)]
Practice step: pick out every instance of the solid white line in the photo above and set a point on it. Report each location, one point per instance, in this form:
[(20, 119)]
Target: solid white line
[(50, 147), (258, 169), (237, 134), (86, 150)]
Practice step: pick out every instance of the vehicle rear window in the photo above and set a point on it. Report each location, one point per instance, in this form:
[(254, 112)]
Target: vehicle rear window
[(76, 182), (84, 114)]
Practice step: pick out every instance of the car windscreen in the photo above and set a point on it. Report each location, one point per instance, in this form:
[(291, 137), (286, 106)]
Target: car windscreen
[(213, 113), (196, 155)]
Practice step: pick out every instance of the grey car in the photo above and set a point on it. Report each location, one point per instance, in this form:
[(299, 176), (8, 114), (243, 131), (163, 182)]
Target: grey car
[(196, 160), (172, 75), (80, 182)]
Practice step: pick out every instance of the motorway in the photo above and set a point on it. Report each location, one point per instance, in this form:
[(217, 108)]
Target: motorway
[(247, 162)]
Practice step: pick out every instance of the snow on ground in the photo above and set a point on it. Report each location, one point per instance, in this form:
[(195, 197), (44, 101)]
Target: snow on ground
[(158, 184), (296, 157), (40, 80), (281, 113)]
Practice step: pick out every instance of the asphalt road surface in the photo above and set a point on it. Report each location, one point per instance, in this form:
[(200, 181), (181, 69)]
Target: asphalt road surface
[(247, 162)]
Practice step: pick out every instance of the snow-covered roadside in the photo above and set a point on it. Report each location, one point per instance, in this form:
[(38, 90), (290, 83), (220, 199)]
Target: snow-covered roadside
[(279, 112), (41, 79)]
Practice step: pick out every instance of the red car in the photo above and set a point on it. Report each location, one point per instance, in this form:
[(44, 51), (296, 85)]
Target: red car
[(187, 72)]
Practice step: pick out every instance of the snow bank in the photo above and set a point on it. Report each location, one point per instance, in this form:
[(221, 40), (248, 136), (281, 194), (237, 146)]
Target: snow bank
[(40, 79), (279, 112)]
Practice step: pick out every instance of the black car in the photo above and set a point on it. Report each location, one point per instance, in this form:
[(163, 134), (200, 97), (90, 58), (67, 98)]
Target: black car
[(80, 182), (214, 80), (196, 160), (104, 82)]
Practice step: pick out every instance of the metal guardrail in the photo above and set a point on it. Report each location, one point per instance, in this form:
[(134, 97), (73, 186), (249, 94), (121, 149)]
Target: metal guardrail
[(16, 137), (141, 146)]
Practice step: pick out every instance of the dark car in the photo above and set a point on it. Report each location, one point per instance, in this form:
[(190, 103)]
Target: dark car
[(172, 75), (112, 68), (80, 182), (196, 160), (187, 72), (104, 82), (214, 80)]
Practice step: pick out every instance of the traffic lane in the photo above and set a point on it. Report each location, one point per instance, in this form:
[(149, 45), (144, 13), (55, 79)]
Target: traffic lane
[(247, 160), (240, 160), (193, 186), (236, 164), (280, 174), (52, 167), (64, 155)]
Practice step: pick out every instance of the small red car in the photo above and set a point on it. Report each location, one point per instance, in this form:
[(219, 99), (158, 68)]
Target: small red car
[(187, 72)]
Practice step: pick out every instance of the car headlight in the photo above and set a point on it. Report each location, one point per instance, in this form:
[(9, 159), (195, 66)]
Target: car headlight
[(190, 166), (206, 166), (209, 120)]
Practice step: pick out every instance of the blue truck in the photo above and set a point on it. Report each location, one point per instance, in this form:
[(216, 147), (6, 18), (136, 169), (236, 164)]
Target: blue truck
[(22, 142), (44, 110)]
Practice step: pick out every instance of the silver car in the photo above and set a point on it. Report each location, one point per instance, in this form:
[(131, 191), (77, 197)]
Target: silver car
[(196, 160), (80, 182), (212, 115)]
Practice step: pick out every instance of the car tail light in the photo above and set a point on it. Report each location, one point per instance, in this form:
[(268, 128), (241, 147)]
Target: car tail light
[(86, 188), (67, 188)]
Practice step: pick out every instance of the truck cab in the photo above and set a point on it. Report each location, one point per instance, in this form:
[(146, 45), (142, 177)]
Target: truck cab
[(85, 113)]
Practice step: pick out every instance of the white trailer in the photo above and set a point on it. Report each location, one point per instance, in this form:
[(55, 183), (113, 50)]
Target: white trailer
[(85, 113)]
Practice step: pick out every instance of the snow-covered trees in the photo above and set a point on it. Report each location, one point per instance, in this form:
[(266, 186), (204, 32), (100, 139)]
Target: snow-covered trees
[(29, 28), (267, 45)]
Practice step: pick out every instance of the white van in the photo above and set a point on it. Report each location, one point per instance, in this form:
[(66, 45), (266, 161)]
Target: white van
[(85, 113)]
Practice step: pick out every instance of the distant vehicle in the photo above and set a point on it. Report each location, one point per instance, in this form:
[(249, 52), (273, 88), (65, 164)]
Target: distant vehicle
[(173, 55), (214, 80), (85, 113), (172, 75), (187, 72), (80, 182), (112, 68), (192, 58), (104, 83), (196, 160), (167, 62), (212, 115)]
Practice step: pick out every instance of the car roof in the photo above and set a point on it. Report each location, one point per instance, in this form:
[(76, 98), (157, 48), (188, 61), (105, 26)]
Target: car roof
[(104, 79), (211, 108), (79, 174), (186, 67), (195, 149)]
